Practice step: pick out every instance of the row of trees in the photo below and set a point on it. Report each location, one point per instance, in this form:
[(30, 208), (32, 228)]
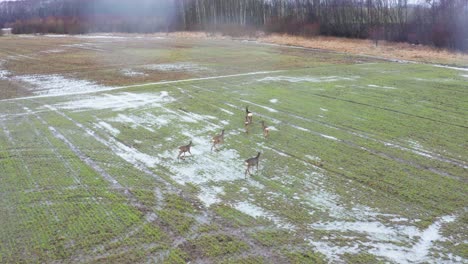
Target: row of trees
[(439, 22)]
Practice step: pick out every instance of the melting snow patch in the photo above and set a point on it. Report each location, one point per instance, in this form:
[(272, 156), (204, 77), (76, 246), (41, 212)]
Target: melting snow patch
[(256, 211), (108, 127), (383, 87), (182, 66), (59, 85), (225, 165), (373, 230), (53, 51), (453, 68), (226, 111), (323, 109), (387, 242), (120, 101), (98, 37), (146, 121), (273, 101), (264, 107), (306, 79), (3, 73), (132, 155), (132, 73), (209, 195), (328, 137), (465, 75)]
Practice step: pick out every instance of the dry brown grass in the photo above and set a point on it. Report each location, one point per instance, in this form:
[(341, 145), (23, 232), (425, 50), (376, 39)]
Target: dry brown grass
[(385, 49), (389, 50)]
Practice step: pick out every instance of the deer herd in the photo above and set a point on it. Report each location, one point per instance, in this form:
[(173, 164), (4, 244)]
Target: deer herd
[(219, 139)]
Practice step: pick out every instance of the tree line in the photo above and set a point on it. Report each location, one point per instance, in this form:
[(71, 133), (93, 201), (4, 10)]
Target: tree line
[(443, 23)]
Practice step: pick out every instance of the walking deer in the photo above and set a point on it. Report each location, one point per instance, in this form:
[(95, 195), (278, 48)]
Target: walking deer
[(251, 162), (184, 149), (218, 139), (266, 130)]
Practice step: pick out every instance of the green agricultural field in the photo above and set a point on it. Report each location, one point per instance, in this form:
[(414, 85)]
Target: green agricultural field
[(366, 160)]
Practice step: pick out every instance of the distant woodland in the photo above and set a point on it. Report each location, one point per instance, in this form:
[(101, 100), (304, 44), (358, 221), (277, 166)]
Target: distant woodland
[(442, 23)]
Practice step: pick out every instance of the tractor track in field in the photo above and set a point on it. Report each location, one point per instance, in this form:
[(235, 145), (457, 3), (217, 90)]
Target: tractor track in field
[(19, 155), (389, 110)]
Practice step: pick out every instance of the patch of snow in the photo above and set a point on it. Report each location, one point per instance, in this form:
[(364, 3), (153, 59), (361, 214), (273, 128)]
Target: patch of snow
[(465, 75), (386, 241), (276, 151), (323, 109), (145, 121), (418, 148), (224, 165), (118, 102), (53, 51), (375, 231), (226, 111), (132, 73), (273, 101), (328, 137), (301, 128), (262, 106), (108, 127), (313, 158), (130, 154), (59, 85), (383, 87), (98, 37), (256, 212), (181, 66), (56, 35), (333, 252), (4, 74), (449, 67), (306, 79), (209, 195)]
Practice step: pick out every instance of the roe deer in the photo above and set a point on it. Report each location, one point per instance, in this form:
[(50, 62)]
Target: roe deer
[(246, 124), (266, 130), (248, 115), (251, 162), (183, 149), (218, 139)]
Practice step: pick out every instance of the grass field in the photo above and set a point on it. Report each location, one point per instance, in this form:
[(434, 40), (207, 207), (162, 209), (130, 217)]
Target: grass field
[(366, 161)]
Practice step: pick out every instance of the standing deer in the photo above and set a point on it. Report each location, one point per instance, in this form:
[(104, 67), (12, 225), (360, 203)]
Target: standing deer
[(266, 130), (183, 149), (218, 139), (251, 162), (248, 115)]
